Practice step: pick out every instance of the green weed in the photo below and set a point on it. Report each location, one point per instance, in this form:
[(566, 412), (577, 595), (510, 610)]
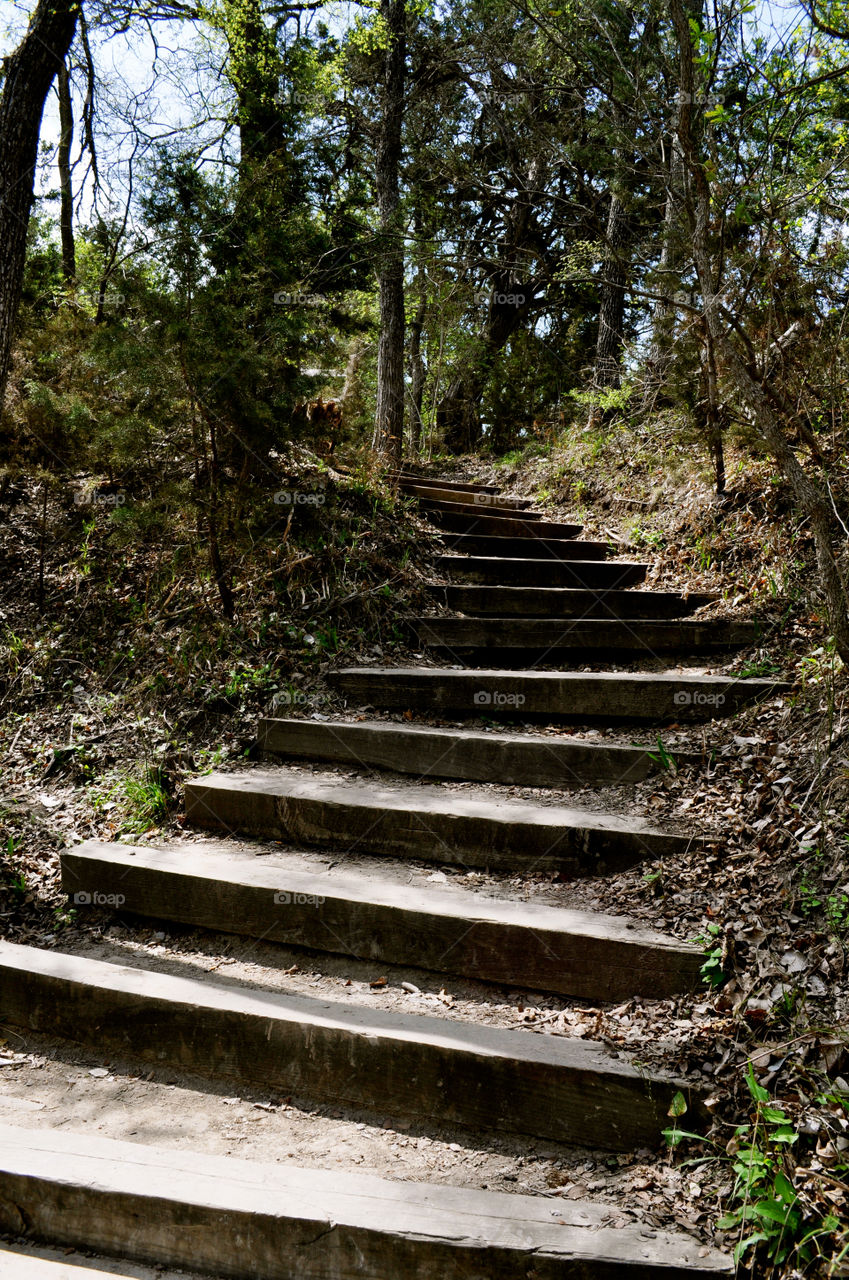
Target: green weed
[(663, 757), (710, 941)]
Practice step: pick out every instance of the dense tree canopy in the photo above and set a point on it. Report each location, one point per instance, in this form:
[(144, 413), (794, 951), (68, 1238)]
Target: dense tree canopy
[(449, 227)]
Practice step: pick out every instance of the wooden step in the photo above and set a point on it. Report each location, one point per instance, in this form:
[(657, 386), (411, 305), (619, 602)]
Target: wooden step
[(248, 1220), (472, 754), (425, 1069), (478, 505), (593, 574), (551, 695), (533, 547), (460, 486), (503, 500), (479, 523), (575, 953), (581, 638), (427, 823), (566, 602)]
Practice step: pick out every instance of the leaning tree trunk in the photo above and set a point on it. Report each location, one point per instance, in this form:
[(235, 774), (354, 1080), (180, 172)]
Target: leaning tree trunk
[(63, 164), (389, 415), (809, 495), (29, 74)]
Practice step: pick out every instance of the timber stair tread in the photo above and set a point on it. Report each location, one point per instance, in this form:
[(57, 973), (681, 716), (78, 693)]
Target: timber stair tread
[(552, 695), (412, 1066), (478, 505), (434, 492), (469, 754), (460, 486), (583, 635), (423, 822), (249, 1219), (578, 953), (518, 570), (567, 602), (477, 522), (532, 545)]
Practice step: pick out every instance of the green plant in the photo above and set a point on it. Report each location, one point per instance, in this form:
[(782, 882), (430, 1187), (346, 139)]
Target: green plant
[(242, 681), (663, 757), (63, 916), (146, 800), (654, 880), (139, 799), (710, 941), (765, 1195), (765, 667), (647, 537), (776, 1225), (833, 905), (12, 875), (84, 562)]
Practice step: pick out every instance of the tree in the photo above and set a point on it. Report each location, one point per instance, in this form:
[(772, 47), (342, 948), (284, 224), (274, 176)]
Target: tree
[(389, 412), (63, 163), (748, 379), (29, 73)]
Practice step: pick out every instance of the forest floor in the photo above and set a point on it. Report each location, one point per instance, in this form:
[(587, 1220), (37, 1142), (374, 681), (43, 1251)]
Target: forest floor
[(120, 678)]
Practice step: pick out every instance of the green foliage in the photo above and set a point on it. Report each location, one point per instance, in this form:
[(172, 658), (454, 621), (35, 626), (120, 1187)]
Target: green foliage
[(663, 757), (135, 801), (710, 941), (774, 1224), (763, 1195), (815, 899), (12, 876)]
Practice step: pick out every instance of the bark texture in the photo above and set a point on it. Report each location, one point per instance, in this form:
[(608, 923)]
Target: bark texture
[(63, 164), (659, 360), (30, 71), (611, 310), (389, 416)]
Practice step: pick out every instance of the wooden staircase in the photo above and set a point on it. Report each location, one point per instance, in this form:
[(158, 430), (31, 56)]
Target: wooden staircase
[(531, 592)]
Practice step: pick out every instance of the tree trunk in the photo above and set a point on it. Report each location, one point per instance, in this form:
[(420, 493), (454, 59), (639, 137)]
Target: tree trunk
[(811, 498), (611, 311), (29, 74), (389, 416), (712, 410), (418, 371), (659, 357), (63, 163)]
